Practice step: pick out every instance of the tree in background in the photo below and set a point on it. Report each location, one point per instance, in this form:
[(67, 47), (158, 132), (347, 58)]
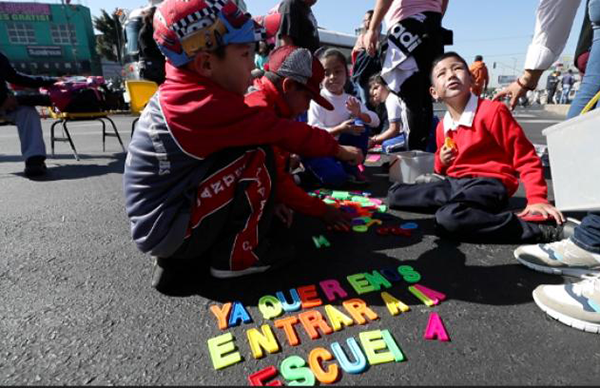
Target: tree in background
[(108, 43)]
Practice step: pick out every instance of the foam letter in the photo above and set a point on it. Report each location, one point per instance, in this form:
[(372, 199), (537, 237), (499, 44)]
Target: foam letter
[(311, 320), (257, 379), (392, 345), (435, 328), (360, 284), (360, 362), (434, 295), (238, 313), (308, 296), (314, 358), (287, 324), (221, 349), (289, 307), (372, 341), (409, 274), (270, 307), (357, 308), (422, 297), (337, 318), (391, 274), (377, 280), (259, 341), (293, 370), (331, 288), (394, 305), (221, 314)]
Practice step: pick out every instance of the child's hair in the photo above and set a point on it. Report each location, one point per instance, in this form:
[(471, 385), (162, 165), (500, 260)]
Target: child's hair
[(449, 54), (334, 53), (377, 79)]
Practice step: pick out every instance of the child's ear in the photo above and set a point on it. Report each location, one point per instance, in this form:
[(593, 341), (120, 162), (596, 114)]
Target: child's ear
[(434, 93), (288, 85), (203, 64)]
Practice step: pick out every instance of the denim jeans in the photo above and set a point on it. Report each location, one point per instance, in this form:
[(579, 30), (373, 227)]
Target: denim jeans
[(590, 84), (587, 235), (564, 97), (29, 125)]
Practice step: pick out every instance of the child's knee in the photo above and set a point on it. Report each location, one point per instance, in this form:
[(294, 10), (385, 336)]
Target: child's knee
[(447, 220)]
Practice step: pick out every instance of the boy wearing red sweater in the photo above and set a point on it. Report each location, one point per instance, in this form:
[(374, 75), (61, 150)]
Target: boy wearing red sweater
[(482, 152), (199, 174), (291, 80)]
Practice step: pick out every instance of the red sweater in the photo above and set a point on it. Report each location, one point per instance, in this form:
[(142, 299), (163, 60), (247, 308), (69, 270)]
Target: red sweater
[(286, 190), (494, 147), (205, 118)]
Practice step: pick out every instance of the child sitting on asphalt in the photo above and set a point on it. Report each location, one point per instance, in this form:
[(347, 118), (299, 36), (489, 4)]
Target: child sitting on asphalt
[(291, 81), (200, 168), (348, 122), (481, 151)]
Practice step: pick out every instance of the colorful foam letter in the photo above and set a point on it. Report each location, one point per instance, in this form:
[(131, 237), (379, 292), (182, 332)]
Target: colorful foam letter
[(357, 308), (313, 320), (422, 297), (331, 288), (287, 324), (321, 241), (360, 362), (392, 345), (395, 306), (435, 328), (259, 341), (221, 314), (377, 280), (270, 307), (289, 307), (434, 295), (222, 351), (360, 284), (337, 318), (409, 274), (238, 314), (309, 297), (257, 379), (294, 371), (331, 374), (372, 342)]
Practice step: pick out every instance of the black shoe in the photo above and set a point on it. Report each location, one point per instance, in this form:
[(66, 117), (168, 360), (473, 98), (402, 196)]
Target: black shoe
[(35, 166), (554, 232), (171, 276)]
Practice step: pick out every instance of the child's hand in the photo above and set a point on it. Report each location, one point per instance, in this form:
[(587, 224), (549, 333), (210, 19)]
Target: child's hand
[(447, 155), (349, 154), (284, 213), (353, 106), (337, 218), (544, 209), (349, 127)]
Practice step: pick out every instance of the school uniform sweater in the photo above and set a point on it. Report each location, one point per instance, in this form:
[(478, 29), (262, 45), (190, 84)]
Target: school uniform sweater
[(286, 190), (491, 144)]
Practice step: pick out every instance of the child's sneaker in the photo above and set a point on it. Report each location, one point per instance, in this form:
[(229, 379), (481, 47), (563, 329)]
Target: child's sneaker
[(576, 304), (561, 258)]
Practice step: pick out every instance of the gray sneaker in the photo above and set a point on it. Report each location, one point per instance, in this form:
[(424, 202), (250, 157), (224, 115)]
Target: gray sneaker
[(559, 258), (575, 304)]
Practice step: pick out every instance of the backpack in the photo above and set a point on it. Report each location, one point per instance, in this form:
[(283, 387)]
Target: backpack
[(77, 94)]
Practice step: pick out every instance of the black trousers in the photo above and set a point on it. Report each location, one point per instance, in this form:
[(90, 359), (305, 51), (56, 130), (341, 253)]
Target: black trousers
[(468, 209)]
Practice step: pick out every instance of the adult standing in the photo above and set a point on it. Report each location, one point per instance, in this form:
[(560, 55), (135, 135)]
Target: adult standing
[(551, 85), (298, 25), (567, 84), (481, 76), (414, 39), (364, 66), (26, 118), (152, 61)]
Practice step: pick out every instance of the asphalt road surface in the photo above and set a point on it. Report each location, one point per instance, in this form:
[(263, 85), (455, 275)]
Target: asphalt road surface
[(77, 307)]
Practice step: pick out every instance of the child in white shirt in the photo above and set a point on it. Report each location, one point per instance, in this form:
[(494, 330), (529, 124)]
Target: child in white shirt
[(348, 122)]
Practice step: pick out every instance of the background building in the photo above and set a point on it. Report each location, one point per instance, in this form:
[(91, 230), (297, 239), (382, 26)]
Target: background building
[(51, 39)]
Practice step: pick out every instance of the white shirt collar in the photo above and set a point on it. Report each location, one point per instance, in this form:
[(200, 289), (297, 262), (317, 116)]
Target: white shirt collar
[(466, 118)]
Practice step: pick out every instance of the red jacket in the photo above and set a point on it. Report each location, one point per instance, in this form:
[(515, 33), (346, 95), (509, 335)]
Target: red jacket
[(205, 118), (286, 190), (494, 147)]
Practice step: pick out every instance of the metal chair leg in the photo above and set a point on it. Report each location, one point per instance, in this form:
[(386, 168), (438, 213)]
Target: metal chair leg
[(52, 135), (103, 133), (66, 131), (116, 132)]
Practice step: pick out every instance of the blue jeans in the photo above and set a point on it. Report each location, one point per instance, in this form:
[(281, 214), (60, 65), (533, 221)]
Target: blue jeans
[(394, 144), (29, 125), (587, 235), (564, 97), (590, 84)]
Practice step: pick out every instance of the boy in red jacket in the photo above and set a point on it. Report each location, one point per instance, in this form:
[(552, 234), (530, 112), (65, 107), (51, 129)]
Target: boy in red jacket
[(199, 174), (291, 80), (482, 151)]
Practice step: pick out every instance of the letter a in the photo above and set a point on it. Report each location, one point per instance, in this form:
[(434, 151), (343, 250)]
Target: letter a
[(435, 328)]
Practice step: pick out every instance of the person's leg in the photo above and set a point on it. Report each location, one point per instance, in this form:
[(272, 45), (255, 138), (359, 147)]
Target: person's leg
[(590, 85), (474, 212), (550, 97), (33, 149), (329, 171), (587, 235), (420, 197), (415, 94), (394, 144)]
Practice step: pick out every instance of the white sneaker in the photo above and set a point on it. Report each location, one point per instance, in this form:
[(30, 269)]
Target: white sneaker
[(560, 258), (228, 274), (576, 304)]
